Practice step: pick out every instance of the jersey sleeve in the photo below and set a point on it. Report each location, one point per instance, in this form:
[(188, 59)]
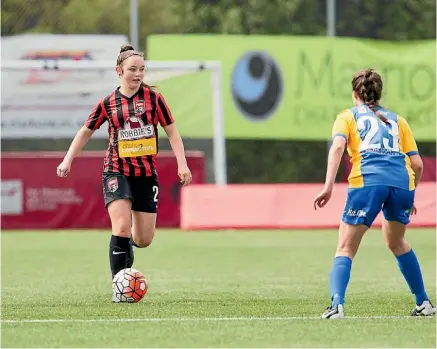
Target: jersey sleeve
[(342, 125), (97, 117), (407, 141), (164, 114)]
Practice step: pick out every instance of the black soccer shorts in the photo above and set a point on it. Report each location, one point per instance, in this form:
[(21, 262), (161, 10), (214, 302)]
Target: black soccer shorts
[(142, 191)]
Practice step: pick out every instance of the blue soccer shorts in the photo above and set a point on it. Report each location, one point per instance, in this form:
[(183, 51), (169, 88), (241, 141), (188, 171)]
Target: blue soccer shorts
[(364, 204)]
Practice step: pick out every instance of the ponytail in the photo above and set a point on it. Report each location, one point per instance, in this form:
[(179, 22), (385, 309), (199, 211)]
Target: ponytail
[(368, 86), (382, 117), (150, 87), (378, 113)]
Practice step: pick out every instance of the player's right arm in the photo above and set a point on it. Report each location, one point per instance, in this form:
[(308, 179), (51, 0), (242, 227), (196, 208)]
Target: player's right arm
[(409, 147), (340, 136), (94, 121)]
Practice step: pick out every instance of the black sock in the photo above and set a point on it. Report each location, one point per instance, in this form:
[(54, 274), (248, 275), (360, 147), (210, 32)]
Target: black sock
[(118, 253), (130, 260)]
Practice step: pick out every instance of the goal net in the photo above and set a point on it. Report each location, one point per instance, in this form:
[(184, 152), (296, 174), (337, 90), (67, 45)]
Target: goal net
[(44, 98)]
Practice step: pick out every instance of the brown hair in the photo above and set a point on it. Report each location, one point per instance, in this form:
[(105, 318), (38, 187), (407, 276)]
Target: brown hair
[(368, 86), (127, 51)]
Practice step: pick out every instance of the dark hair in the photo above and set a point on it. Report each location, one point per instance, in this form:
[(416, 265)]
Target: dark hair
[(127, 51), (368, 86)]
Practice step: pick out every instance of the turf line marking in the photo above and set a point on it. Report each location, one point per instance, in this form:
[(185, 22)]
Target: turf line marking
[(187, 319)]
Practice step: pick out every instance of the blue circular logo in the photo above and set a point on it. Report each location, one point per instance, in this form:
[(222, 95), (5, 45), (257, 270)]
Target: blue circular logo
[(257, 85)]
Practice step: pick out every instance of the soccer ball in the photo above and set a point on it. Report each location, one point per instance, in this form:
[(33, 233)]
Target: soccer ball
[(129, 285)]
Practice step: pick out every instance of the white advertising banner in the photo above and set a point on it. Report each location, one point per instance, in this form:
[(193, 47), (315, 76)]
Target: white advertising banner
[(55, 103), (12, 197)]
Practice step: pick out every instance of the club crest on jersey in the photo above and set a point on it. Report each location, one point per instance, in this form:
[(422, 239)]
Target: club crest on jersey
[(113, 184), (139, 107)]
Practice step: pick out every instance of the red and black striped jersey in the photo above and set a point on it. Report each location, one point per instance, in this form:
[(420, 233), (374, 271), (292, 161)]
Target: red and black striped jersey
[(133, 130)]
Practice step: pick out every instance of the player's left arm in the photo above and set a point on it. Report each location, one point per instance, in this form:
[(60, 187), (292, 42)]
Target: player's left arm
[(177, 145), (409, 147), (407, 141)]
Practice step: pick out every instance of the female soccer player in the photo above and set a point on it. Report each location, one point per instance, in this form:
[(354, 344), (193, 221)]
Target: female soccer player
[(130, 179), (386, 169)]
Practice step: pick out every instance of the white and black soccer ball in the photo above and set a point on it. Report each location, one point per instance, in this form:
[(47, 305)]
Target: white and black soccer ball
[(129, 285)]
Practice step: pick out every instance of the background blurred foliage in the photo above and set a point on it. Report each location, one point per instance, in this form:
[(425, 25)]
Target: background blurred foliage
[(381, 19)]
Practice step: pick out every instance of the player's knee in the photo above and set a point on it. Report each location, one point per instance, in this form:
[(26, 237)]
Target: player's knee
[(143, 242), (347, 248), (145, 239), (122, 228), (397, 245)]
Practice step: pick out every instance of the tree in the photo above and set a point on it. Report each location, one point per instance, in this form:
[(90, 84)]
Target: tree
[(380, 19), (86, 17), (387, 19)]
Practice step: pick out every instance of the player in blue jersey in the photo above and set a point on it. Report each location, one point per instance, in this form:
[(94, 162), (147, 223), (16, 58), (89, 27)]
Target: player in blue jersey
[(386, 169)]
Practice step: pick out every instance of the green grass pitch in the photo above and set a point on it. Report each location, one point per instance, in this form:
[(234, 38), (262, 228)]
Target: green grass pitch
[(210, 289)]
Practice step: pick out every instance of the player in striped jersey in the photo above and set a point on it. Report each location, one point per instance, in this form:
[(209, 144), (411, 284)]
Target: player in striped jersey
[(130, 178), (386, 169)]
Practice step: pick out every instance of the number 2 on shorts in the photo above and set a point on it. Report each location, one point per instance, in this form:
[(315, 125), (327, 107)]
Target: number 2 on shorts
[(155, 192)]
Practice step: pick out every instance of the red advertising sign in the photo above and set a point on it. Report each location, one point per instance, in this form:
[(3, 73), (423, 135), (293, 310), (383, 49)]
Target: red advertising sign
[(33, 197)]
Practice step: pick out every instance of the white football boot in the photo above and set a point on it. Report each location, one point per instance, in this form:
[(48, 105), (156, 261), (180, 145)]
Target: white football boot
[(425, 309), (336, 312)]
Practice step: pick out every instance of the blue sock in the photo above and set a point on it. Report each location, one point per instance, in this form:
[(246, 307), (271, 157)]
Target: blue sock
[(410, 268), (339, 278)]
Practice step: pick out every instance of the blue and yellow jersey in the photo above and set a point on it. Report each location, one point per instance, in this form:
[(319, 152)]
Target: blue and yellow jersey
[(379, 153)]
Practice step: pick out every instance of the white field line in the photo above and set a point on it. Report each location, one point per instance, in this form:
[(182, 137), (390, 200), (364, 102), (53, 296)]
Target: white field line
[(197, 319)]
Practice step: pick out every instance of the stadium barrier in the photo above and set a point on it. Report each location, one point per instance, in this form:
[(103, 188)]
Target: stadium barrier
[(33, 197), (279, 206)]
